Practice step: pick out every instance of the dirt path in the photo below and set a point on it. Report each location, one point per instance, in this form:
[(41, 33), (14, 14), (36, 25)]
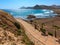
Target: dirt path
[(36, 36)]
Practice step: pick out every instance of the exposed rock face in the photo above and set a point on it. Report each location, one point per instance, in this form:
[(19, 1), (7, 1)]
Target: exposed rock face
[(31, 16)]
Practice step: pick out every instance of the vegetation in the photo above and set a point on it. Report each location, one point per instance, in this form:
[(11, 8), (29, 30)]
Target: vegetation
[(43, 30), (19, 32), (13, 43), (26, 39), (4, 26), (17, 25), (56, 28), (50, 33), (42, 25)]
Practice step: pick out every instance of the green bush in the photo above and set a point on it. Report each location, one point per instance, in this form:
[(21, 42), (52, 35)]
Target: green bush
[(43, 30), (50, 33), (30, 43), (4, 26), (23, 41), (19, 32), (17, 25)]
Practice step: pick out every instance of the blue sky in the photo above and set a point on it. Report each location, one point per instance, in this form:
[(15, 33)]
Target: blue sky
[(15, 4)]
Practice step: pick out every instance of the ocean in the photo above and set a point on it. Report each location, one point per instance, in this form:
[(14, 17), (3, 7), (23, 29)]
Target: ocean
[(23, 13)]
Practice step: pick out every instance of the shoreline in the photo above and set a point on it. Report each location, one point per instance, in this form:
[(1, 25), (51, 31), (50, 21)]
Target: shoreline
[(57, 11)]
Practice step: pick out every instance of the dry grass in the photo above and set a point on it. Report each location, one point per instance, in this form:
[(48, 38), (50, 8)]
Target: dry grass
[(49, 22)]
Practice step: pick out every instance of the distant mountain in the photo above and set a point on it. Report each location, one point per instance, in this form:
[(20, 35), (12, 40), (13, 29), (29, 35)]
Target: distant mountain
[(56, 6), (22, 7), (26, 7), (42, 7)]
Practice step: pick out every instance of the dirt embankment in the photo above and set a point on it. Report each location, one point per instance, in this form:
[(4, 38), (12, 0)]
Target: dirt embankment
[(9, 29), (56, 11), (49, 23)]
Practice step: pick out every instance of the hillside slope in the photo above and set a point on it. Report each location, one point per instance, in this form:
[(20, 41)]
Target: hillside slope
[(9, 30)]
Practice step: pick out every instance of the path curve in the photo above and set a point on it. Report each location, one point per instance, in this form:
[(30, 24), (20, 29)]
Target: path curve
[(35, 36)]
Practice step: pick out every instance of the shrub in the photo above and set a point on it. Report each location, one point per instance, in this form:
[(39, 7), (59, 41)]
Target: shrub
[(23, 41), (26, 40), (30, 43), (17, 25), (13, 43), (4, 26), (50, 33), (43, 30), (19, 32), (5, 34)]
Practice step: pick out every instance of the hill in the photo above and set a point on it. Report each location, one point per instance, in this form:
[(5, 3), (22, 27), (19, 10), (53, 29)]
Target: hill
[(9, 30), (42, 7)]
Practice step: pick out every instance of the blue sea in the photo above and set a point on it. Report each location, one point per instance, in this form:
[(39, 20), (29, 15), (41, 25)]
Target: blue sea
[(23, 13)]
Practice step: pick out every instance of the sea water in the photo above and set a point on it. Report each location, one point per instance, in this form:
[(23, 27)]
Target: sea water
[(23, 13)]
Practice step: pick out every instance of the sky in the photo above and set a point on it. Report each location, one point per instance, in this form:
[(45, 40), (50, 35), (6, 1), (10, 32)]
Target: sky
[(15, 4)]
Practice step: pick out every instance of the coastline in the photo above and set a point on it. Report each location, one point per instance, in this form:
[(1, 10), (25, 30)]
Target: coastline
[(38, 22), (54, 20)]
